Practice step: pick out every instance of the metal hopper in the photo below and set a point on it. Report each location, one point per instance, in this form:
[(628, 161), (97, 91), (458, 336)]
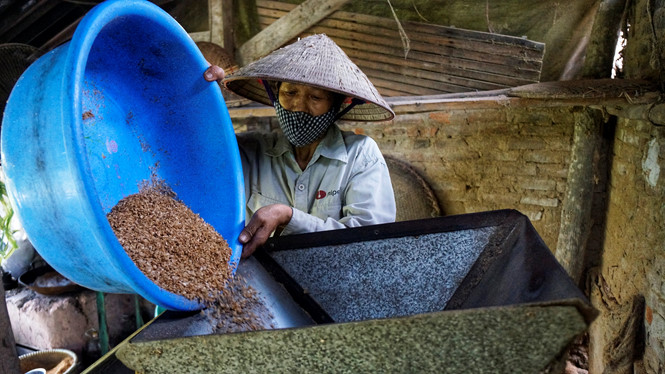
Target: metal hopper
[(474, 293)]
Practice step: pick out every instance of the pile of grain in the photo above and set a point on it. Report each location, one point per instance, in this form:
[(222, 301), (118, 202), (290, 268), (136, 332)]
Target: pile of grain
[(170, 244), (236, 309)]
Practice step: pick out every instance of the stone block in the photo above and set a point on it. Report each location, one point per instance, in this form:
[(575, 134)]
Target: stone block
[(526, 143), (543, 117), (70, 321), (486, 116), (626, 135), (522, 169), (534, 215), (558, 131), (541, 201), (552, 170), (497, 155), (537, 184), (398, 131), (500, 200), (545, 157), (420, 144), (440, 117)]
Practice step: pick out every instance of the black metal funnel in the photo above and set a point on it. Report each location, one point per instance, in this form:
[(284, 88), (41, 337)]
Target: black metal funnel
[(469, 293)]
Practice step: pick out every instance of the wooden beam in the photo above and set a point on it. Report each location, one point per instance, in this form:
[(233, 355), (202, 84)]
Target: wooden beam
[(228, 41), (599, 59), (221, 23), (286, 28), (216, 22), (638, 105), (576, 219), (654, 113)]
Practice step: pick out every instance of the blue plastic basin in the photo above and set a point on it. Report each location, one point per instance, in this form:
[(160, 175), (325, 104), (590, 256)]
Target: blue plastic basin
[(92, 119)]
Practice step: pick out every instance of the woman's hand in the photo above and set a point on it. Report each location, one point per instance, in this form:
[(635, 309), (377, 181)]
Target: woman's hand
[(266, 220), (214, 73)]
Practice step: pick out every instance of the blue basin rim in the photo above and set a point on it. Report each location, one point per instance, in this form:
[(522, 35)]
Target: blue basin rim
[(77, 53)]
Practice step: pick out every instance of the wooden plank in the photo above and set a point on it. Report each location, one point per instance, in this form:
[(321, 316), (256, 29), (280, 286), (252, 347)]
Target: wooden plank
[(474, 61), (412, 77), (390, 24), (512, 44), (491, 61), (516, 71), (359, 50), (441, 59), (421, 77), (512, 52), (449, 47), (387, 92), (296, 21), (389, 81), (446, 71)]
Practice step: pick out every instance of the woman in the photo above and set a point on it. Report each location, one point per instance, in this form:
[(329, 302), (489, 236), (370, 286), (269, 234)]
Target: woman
[(312, 176)]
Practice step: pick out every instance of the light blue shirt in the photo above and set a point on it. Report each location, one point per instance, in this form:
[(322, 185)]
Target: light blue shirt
[(346, 183)]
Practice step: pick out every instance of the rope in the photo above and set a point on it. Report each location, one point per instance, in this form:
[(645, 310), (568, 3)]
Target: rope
[(406, 43), (418, 13), (656, 49)]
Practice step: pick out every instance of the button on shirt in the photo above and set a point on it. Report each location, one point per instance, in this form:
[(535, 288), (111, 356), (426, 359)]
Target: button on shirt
[(345, 184)]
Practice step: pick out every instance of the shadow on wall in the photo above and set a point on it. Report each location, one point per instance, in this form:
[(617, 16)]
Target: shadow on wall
[(414, 196)]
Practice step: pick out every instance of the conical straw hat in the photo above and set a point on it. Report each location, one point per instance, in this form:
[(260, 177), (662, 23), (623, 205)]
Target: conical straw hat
[(317, 61)]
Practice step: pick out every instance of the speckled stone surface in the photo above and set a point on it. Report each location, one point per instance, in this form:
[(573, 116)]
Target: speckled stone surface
[(519, 339), (388, 277)]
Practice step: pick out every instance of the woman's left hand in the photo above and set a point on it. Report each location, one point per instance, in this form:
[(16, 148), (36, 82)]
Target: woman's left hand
[(214, 73), (263, 223)]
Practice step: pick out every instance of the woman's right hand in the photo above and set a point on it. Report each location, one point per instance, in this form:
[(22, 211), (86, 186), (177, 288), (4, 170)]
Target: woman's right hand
[(262, 224), (214, 73)]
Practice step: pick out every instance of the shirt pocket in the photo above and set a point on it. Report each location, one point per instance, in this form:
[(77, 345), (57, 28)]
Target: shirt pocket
[(257, 201), (329, 206)]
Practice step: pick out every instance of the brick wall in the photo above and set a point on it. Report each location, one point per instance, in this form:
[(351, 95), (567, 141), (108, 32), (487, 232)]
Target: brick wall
[(633, 266), (485, 159), (479, 159)]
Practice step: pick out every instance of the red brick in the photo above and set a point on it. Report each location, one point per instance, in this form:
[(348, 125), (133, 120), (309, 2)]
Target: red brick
[(440, 117)]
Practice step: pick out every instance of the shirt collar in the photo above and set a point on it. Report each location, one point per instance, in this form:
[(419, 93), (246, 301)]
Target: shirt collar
[(332, 146)]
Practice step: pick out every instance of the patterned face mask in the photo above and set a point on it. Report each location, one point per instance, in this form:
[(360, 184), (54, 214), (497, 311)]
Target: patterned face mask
[(302, 128)]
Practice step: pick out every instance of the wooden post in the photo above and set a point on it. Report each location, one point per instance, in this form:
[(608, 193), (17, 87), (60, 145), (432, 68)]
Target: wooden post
[(216, 22), (576, 208), (604, 36), (8, 356), (221, 23), (286, 28)]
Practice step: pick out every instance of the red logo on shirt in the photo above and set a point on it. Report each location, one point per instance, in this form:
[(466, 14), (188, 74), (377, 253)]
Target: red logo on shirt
[(320, 194)]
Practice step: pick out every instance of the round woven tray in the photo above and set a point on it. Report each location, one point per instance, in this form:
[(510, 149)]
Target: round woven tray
[(414, 197), (61, 361)]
